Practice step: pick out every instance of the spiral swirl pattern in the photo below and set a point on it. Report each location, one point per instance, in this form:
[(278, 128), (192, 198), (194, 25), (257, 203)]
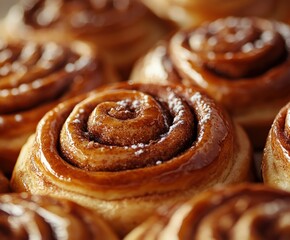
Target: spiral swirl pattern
[(240, 62), (29, 72), (240, 56), (277, 151), (133, 145), (34, 78), (25, 216), (136, 126), (235, 47), (236, 212)]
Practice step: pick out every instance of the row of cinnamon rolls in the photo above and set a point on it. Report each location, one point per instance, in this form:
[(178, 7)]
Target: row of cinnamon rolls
[(92, 150), (123, 150), (82, 153)]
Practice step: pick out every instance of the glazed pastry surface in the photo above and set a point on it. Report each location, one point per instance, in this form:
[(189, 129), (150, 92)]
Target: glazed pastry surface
[(243, 63), (25, 216), (36, 77), (276, 157), (131, 147), (236, 212)]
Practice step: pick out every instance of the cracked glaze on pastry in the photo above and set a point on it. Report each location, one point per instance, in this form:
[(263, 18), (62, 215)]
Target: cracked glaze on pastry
[(131, 147)]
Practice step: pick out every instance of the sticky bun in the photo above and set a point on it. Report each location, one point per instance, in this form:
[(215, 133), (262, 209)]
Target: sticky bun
[(127, 149)]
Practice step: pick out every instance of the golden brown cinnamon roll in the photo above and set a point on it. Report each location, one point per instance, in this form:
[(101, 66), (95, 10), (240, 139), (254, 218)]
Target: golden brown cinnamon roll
[(24, 216), (121, 30), (33, 79), (128, 149), (275, 164), (194, 12), (243, 63), (236, 212)]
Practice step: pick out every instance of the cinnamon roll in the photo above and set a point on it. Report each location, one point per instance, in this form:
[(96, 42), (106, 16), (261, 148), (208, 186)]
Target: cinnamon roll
[(36, 77), (276, 156), (243, 63), (127, 149), (24, 216), (236, 212), (122, 31), (188, 13)]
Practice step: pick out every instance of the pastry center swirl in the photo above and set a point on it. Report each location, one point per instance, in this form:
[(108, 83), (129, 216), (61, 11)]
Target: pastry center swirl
[(127, 129), (136, 119), (237, 47)]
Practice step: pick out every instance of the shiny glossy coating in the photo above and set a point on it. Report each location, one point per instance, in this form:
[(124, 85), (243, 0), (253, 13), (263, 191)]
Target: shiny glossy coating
[(191, 116), (126, 148)]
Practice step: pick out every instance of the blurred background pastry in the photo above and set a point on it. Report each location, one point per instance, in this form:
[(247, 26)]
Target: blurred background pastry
[(4, 184), (188, 13), (129, 148), (243, 63), (275, 165), (235, 212), (121, 30), (25, 216), (33, 79)]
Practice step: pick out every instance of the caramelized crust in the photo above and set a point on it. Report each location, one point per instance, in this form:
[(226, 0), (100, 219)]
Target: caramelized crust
[(236, 212), (36, 77), (24, 216), (131, 147), (275, 164), (241, 62)]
